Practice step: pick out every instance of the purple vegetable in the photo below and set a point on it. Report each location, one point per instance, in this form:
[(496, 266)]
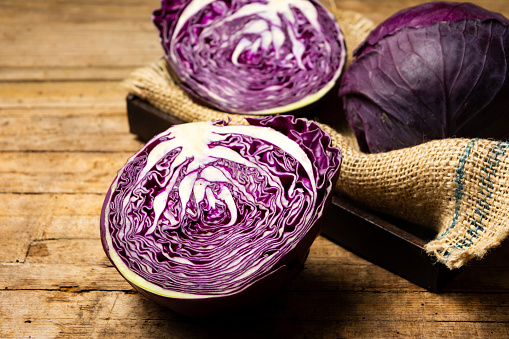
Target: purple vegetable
[(207, 217), (252, 57), (433, 71)]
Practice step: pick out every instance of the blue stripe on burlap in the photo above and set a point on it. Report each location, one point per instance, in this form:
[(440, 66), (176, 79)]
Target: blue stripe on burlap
[(485, 189), (458, 192)]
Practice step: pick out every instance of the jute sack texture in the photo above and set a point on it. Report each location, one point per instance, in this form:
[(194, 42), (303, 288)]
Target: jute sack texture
[(457, 187)]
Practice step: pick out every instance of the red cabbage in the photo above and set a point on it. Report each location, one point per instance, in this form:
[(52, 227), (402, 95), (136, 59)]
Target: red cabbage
[(433, 71), (207, 217), (252, 57)]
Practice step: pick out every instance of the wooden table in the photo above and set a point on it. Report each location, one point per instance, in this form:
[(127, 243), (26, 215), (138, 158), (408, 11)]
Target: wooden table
[(63, 136)]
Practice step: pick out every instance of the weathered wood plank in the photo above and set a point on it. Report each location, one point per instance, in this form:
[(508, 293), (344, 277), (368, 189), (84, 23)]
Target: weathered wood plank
[(65, 172), (333, 277), (232, 328), (63, 277), (75, 73), (305, 329), (66, 130), (333, 306), (53, 211), (99, 43), (96, 38), (43, 314), (67, 251), (33, 275), (322, 274), (62, 142), (50, 226), (17, 233), (64, 111), (345, 306), (54, 122), (467, 307), (99, 95), (461, 329), (41, 12), (25, 217), (100, 313), (84, 116)]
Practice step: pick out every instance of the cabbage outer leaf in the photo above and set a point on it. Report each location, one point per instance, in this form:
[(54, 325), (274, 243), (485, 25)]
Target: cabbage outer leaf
[(448, 79)]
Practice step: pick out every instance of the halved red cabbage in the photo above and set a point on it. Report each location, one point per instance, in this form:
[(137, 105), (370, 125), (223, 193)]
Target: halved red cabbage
[(209, 216), (433, 71), (252, 57)]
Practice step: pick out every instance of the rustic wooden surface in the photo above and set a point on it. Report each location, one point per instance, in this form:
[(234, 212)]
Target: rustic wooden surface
[(63, 136)]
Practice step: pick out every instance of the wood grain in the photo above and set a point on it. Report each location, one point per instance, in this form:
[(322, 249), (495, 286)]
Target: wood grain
[(62, 40), (63, 136)]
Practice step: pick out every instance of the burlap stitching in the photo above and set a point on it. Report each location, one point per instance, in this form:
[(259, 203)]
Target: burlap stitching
[(481, 213), (486, 192), (458, 192)]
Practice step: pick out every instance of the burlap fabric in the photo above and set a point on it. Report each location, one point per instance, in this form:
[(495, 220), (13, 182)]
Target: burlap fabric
[(457, 187)]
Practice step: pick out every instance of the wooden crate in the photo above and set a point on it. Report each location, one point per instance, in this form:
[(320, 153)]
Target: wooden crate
[(392, 244)]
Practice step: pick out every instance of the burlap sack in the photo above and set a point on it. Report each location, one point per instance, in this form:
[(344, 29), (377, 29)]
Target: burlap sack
[(457, 187)]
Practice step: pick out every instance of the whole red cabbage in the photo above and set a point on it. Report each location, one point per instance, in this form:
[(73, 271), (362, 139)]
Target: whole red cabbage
[(252, 56), (207, 217), (432, 71)]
